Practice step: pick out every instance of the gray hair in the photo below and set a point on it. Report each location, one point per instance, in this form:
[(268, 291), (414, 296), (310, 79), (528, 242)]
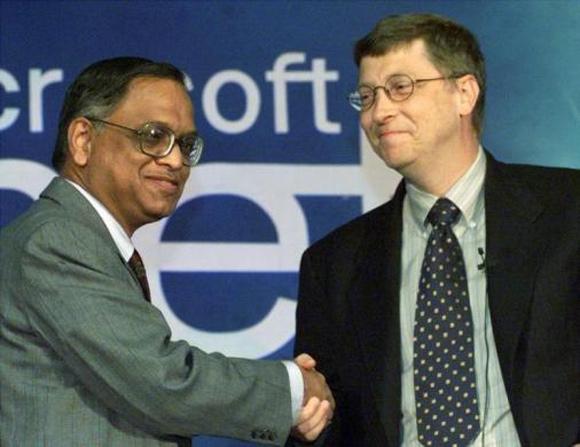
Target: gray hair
[(98, 90)]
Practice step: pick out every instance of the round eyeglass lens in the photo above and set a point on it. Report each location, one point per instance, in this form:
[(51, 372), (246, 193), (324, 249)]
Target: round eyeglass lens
[(366, 97), (400, 87), (155, 139)]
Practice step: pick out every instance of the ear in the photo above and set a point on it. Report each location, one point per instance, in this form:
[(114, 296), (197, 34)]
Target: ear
[(468, 94), (80, 135)]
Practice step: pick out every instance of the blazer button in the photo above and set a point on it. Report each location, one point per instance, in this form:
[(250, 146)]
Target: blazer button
[(264, 434)]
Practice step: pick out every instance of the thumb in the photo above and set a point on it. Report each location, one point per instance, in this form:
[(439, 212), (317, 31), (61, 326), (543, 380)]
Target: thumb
[(305, 361)]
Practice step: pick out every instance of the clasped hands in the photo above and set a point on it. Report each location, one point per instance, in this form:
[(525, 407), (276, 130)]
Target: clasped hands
[(318, 405)]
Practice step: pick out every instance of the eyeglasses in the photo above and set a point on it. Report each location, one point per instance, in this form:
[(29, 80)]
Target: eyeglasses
[(398, 88), (157, 141)]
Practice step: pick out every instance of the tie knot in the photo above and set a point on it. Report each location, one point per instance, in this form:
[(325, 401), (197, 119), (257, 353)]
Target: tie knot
[(444, 212)]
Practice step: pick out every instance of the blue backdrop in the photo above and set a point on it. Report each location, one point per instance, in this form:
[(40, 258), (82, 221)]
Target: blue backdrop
[(285, 161)]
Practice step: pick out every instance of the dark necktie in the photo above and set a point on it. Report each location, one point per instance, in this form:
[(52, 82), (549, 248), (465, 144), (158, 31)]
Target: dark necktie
[(136, 263), (443, 359)]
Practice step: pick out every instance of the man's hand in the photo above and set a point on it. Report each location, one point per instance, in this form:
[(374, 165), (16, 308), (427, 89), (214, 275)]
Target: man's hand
[(314, 418), (318, 404), (314, 382)]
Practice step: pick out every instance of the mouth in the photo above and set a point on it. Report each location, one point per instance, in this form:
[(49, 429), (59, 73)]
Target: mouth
[(164, 183), (389, 133)]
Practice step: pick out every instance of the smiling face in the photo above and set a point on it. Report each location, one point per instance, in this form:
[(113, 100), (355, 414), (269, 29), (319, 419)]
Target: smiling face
[(421, 135), (136, 188)]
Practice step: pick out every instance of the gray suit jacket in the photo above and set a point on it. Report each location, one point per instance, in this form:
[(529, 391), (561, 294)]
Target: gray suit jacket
[(86, 361)]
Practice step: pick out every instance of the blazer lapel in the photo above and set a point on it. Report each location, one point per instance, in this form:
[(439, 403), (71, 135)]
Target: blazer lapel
[(60, 191), (63, 193), (513, 252), (374, 305)]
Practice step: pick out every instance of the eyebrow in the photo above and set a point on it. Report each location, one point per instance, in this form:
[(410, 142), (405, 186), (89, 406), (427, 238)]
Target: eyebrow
[(167, 126), (387, 78)]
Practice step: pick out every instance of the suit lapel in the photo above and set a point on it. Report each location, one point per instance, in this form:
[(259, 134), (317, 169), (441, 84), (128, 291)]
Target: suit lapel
[(61, 192), (513, 250), (374, 305)]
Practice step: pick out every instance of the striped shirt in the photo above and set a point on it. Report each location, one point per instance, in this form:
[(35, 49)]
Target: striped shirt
[(467, 193)]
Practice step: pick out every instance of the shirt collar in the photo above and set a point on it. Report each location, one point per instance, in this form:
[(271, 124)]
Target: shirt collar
[(466, 193), (121, 239)]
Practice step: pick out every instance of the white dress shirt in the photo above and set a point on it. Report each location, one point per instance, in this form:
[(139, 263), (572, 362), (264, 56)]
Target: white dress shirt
[(498, 428)]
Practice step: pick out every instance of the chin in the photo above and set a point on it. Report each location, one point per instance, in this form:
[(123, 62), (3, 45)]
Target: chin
[(157, 214), (396, 157), (394, 161)]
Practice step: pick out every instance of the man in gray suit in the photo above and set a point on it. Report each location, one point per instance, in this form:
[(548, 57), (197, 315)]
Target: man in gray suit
[(86, 359)]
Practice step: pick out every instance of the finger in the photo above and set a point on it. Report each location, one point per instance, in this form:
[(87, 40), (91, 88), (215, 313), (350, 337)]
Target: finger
[(330, 412), (305, 360), (309, 409), (318, 423), (314, 433), (320, 415)]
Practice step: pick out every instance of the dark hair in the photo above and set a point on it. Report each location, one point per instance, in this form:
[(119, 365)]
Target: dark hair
[(100, 88), (452, 48)]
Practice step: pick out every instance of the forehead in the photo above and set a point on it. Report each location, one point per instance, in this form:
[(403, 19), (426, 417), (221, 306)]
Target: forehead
[(156, 99), (411, 59)]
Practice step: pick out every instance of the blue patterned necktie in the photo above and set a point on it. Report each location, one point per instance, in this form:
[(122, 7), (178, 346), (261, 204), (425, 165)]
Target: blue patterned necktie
[(443, 359)]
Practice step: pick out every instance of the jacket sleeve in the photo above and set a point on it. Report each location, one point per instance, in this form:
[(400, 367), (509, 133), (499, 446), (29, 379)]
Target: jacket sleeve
[(79, 296)]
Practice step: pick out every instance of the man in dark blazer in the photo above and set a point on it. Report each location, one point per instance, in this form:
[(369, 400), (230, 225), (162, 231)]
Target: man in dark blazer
[(86, 360), (421, 95)]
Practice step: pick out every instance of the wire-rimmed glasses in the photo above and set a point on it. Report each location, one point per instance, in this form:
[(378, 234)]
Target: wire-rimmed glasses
[(398, 87)]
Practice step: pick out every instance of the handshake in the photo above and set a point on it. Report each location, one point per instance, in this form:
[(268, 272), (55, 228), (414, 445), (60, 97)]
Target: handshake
[(318, 404)]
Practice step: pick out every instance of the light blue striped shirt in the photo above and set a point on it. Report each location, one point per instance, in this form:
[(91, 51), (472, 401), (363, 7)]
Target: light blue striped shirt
[(467, 193)]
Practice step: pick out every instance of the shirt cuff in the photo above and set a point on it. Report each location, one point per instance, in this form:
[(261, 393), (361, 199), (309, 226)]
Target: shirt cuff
[(296, 388)]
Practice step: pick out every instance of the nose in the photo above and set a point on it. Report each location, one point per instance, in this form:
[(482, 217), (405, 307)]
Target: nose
[(384, 108), (174, 160)]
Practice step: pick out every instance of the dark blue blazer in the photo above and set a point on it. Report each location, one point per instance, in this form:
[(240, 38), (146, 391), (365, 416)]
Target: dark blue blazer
[(348, 309)]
